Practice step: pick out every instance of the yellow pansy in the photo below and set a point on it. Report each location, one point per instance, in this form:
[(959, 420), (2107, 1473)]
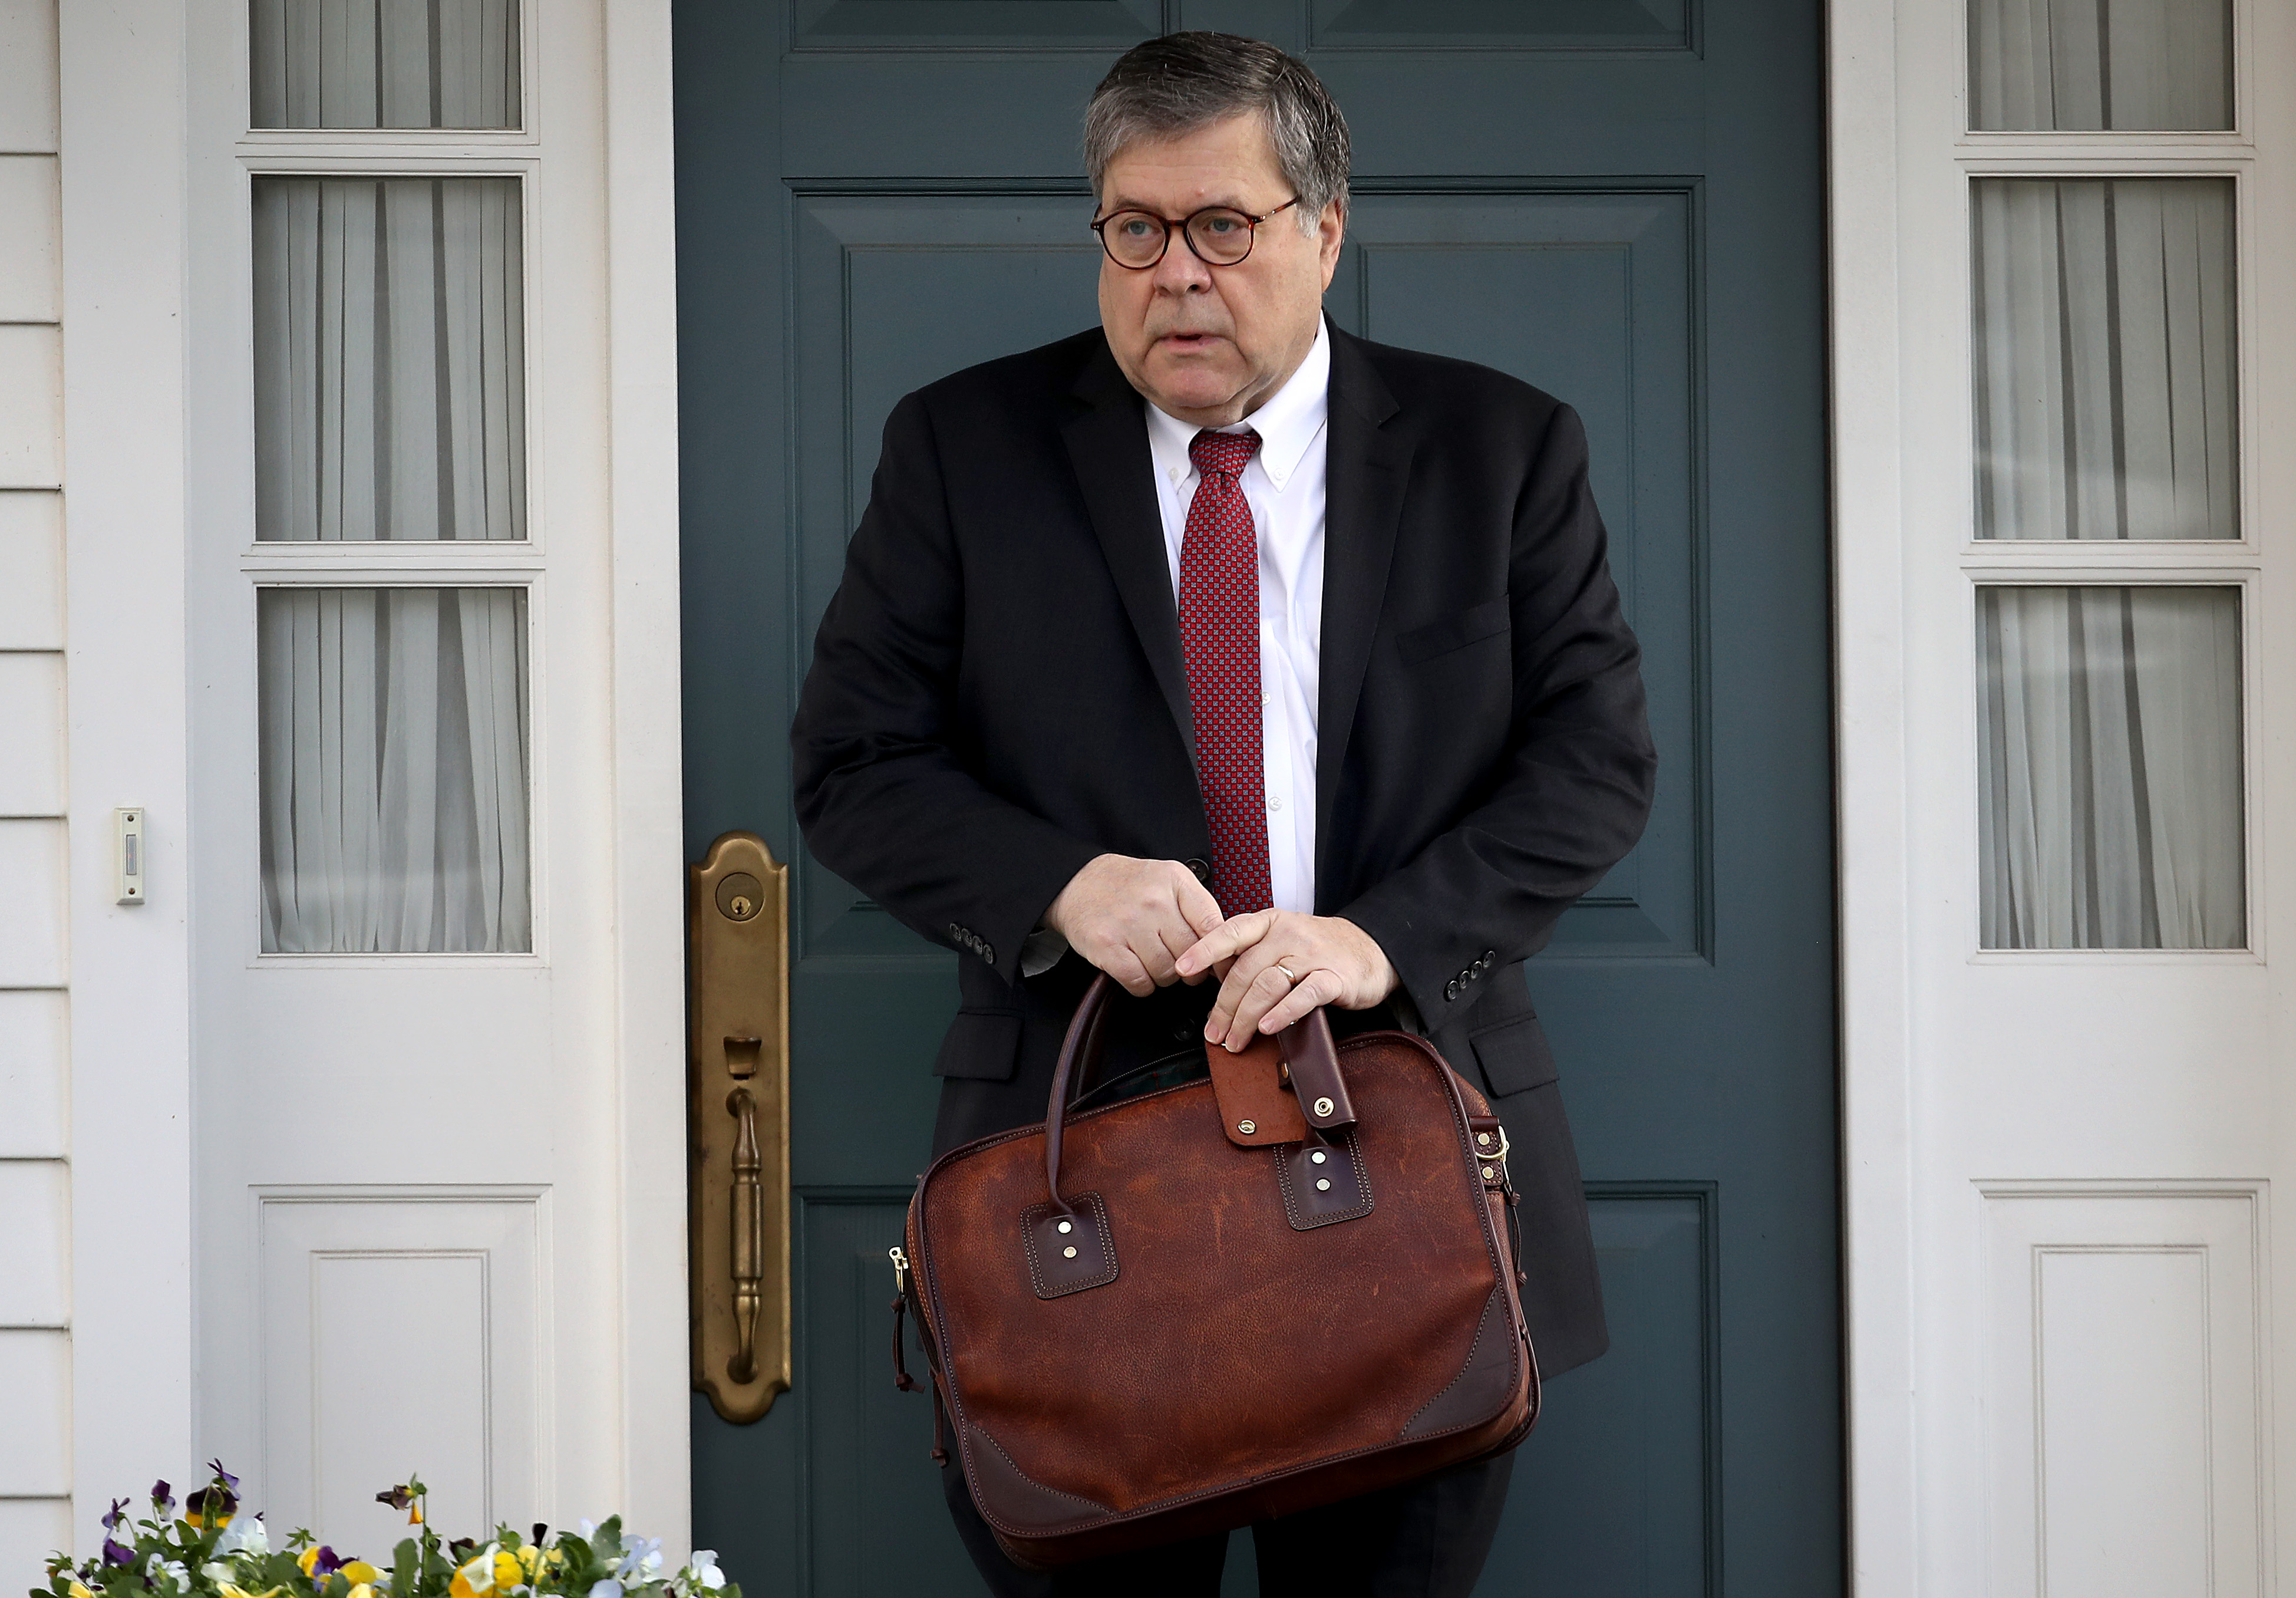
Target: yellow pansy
[(232, 1590), (508, 1570), (361, 1589), (79, 1591), (360, 1574)]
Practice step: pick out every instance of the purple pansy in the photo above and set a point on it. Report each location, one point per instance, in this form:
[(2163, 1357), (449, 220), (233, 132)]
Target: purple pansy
[(324, 1563), (163, 1497), (114, 1554), (113, 1516), (224, 1476)]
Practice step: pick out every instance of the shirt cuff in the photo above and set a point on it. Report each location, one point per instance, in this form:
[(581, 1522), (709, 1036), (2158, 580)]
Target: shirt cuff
[(1041, 951)]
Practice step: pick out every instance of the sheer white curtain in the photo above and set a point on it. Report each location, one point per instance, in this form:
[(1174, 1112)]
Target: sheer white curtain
[(384, 63), (389, 358), (2104, 358), (394, 770), (2110, 765), (2097, 64)]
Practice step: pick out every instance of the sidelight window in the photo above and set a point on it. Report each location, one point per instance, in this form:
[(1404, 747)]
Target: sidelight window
[(393, 557), (394, 748), (2105, 376), (384, 63), (2108, 766), (2110, 549), (2098, 65), (389, 358)]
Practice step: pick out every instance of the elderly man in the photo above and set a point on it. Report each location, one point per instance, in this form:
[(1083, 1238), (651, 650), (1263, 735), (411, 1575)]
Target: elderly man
[(1258, 666)]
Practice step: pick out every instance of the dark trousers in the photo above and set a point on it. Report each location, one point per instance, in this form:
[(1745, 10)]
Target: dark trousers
[(1426, 1539)]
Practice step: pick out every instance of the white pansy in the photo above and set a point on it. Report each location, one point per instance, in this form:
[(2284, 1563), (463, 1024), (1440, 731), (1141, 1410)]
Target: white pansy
[(641, 1558), (705, 1568), (245, 1535), (175, 1570), (479, 1574), (217, 1572), (606, 1587)]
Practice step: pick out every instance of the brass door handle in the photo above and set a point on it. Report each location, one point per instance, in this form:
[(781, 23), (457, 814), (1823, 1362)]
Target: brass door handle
[(737, 1115), (748, 1229)]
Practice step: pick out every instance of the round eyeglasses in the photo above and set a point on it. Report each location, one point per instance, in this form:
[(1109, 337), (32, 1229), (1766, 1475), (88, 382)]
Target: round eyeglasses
[(1220, 235)]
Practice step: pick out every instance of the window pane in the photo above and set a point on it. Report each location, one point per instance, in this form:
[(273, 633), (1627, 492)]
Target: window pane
[(2111, 766), (2103, 358), (2070, 65), (389, 358), (383, 64), (394, 771)]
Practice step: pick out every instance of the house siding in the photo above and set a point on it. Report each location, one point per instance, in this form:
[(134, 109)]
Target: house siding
[(34, 1187)]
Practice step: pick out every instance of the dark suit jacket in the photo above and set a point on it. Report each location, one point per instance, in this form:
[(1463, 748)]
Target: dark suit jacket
[(998, 695)]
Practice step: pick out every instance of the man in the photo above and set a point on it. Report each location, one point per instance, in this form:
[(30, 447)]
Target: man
[(1258, 666)]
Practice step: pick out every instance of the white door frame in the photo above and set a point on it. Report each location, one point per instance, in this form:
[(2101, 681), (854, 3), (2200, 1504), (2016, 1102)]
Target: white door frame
[(125, 165), (1870, 796)]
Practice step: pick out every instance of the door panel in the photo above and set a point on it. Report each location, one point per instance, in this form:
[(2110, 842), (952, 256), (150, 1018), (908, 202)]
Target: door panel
[(1616, 202), (1587, 295)]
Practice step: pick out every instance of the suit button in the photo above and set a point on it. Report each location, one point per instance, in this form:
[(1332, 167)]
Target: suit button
[(1202, 869), (988, 954), (1451, 988)]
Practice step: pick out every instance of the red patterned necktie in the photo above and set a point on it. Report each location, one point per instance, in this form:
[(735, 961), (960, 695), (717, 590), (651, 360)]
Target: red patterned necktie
[(1219, 630)]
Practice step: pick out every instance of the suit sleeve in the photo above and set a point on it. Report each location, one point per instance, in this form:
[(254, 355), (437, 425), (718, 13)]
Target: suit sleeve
[(884, 798), (1571, 792)]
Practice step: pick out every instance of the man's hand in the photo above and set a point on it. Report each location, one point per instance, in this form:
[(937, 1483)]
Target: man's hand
[(1331, 960), (1132, 918)]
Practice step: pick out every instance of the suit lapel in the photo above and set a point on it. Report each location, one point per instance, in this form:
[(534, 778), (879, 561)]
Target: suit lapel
[(1368, 466), (1108, 445)]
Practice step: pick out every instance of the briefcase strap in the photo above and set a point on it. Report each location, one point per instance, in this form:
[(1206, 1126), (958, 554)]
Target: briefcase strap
[(1308, 1051)]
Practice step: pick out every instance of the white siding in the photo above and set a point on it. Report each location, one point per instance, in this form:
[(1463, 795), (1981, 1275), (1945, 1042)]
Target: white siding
[(34, 1187)]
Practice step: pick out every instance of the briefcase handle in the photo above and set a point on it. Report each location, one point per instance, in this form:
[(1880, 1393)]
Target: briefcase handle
[(1310, 1053)]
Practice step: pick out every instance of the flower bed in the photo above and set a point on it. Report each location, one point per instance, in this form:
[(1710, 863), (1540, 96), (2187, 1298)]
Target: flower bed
[(215, 1550)]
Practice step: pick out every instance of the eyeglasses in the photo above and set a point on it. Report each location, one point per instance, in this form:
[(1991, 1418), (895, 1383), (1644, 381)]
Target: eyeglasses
[(1220, 234)]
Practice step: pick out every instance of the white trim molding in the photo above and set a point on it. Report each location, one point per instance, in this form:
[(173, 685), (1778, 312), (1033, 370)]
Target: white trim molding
[(133, 1214)]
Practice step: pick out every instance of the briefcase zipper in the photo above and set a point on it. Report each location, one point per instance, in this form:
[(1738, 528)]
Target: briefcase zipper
[(900, 1270)]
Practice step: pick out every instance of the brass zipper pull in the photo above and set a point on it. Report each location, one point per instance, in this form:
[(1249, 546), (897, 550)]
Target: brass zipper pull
[(900, 1269)]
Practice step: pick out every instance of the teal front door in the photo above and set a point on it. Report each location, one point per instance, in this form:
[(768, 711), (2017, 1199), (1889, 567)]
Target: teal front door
[(1617, 199)]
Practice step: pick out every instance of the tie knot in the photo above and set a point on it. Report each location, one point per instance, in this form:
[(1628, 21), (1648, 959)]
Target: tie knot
[(1224, 453)]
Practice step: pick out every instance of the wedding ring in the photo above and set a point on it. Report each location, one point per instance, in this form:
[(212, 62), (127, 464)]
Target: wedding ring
[(1287, 974)]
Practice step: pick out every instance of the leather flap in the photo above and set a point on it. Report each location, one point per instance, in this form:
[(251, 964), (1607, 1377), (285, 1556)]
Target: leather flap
[(1314, 1061), (1256, 1108), (1069, 1250)]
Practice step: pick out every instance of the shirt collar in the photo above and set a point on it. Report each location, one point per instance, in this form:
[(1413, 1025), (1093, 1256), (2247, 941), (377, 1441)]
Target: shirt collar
[(1287, 424)]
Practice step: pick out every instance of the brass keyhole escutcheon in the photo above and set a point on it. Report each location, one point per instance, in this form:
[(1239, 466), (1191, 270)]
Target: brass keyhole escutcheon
[(740, 896)]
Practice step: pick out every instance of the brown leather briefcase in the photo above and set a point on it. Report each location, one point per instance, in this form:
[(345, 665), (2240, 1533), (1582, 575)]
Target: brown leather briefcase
[(1243, 1296)]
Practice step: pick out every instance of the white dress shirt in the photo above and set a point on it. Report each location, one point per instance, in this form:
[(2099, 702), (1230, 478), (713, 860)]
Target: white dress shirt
[(1284, 486)]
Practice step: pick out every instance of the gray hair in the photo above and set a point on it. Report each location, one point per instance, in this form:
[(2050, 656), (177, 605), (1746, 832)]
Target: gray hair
[(1169, 87)]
